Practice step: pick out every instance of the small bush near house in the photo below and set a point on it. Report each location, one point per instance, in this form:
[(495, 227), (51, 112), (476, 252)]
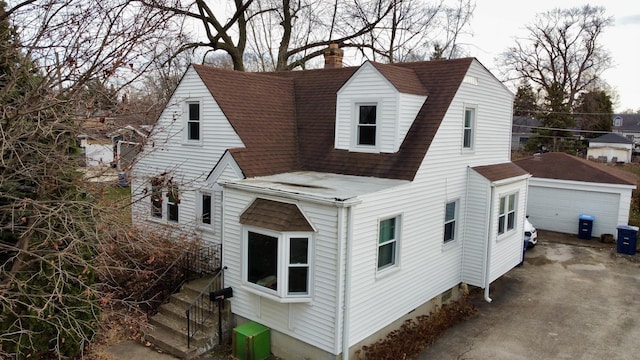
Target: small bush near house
[(417, 334)]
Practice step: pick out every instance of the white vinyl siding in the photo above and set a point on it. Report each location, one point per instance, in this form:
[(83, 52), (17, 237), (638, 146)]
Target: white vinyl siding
[(476, 231), (506, 249), (166, 152), (442, 176), (314, 322)]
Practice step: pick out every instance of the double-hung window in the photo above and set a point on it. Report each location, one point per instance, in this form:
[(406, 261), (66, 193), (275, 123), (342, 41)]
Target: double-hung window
[(388, 237), (206, 201), (507, 215), (193, 121), (469, 123), (172, 203), (367, 125), (156, 200), (278, 263), (450, 222)]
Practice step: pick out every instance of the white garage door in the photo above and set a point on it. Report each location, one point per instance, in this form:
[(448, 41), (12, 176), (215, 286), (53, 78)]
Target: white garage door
[(558, 209)]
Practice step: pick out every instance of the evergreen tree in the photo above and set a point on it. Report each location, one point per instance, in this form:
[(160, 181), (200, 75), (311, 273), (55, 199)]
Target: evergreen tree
[(524, 103), (596, 111)]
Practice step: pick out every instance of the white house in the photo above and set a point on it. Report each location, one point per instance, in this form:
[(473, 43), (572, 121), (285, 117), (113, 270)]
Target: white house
[(344, 198), (564, 186), (610, 147)]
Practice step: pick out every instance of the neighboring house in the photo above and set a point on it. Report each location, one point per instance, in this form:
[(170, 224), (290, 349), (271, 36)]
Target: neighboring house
[(127, 142), (522, 130), (610, 147), (346, 199), (628, 125), (564, 186)]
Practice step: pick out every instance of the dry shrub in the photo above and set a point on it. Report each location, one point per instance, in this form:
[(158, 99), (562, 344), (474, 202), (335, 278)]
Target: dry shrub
[(417, 334), (140, 268)]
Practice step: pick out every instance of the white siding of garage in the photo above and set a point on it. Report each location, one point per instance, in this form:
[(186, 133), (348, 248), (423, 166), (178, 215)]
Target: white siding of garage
[(555, 205)]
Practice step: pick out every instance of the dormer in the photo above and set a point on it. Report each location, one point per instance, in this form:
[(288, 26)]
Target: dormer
[(376, 107)]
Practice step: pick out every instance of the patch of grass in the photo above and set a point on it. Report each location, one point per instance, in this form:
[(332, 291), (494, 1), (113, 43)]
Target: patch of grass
[(116, 193)]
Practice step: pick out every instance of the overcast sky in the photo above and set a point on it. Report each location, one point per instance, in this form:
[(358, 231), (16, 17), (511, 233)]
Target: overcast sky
[(496, 24)]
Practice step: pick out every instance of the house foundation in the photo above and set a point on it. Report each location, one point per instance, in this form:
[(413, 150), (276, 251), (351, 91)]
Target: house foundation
[(289, 348)]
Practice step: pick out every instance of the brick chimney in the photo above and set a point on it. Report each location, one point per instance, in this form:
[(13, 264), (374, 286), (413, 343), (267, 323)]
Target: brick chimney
[(333, 57)]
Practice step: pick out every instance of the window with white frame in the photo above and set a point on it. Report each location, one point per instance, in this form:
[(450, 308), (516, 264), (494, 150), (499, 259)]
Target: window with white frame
[(156, 199), (278, 263), (206, 201), (367, 124), (450, 221), (469, 123), (507, 214), (173, 199), (388, 237), (193, 121)]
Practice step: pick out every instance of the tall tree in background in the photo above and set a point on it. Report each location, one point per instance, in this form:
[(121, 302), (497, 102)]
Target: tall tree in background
[(563, 49), (595, 111), (556, 119), (267, 35)]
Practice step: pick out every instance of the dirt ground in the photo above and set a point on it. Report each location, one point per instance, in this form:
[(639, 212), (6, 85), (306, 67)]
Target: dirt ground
[(572, 299)]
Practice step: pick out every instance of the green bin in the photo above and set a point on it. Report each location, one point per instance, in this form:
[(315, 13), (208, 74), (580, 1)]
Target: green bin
[(251, 342)]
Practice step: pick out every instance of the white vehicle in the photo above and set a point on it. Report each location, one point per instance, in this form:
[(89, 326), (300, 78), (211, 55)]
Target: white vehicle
[(530, 234)]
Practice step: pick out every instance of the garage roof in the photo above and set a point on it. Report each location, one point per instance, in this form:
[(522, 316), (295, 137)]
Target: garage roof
[(562, 166), (499, 172)]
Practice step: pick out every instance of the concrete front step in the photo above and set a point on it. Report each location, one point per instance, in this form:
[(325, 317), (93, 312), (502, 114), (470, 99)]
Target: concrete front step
[(169, 331), (193, 288), (168, 341)]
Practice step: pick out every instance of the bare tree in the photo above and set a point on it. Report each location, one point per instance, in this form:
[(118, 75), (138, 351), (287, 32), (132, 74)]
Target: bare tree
[(416, 26), (269, 35), (563, 49), (53, 224)]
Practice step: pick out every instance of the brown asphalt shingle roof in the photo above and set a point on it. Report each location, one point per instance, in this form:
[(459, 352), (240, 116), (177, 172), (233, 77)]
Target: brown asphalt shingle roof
[(275, 215), (562, 166), (499, 172), (287, 120)]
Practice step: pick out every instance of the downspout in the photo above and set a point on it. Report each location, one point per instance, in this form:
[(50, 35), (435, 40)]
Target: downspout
[(339, 270), (347, 286), (487, 268)]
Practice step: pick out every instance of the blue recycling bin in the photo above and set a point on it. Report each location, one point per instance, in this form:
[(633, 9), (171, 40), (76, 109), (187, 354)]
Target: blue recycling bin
[(585, 226), (627, 239)]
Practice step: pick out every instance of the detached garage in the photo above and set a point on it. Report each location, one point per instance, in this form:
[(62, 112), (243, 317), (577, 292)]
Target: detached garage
[(564, 186)]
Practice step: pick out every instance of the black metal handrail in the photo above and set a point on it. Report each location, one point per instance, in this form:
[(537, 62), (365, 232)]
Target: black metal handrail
[(201, 308), (193, 264), (203, 261)]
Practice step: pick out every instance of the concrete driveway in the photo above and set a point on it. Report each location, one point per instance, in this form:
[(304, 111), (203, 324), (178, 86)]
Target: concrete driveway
[(569, 301)]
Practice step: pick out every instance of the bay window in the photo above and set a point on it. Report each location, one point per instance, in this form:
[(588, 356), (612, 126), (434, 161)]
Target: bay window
[(278, 263)]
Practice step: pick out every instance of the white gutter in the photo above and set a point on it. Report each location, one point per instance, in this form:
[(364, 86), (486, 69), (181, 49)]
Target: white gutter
[(487, 268), (324, 200)]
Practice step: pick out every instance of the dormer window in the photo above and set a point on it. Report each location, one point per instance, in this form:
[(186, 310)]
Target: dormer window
[(367, 124)]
